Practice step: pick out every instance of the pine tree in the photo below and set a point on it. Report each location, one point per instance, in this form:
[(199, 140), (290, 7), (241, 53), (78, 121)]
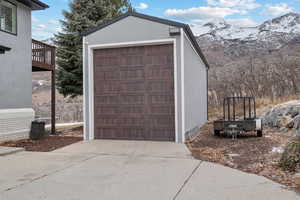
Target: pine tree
[(83, 16)]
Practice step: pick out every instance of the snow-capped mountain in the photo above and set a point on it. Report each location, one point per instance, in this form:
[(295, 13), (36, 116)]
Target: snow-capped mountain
[(234, 41), (289, 23), (220, 29)]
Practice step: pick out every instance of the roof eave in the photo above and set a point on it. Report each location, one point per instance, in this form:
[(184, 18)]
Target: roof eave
[(134, 14), (34, 4)]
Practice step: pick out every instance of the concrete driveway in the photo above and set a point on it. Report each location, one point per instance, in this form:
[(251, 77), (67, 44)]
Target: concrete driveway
[(127, 170)]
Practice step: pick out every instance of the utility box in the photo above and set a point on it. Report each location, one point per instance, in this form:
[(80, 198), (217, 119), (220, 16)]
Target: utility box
[(38, 130)]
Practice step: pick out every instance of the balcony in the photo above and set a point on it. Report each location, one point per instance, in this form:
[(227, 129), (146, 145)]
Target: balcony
[(43, 59), (43, 56)]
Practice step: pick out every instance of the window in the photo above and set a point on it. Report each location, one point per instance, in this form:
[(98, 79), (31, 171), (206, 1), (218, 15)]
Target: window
[(8, 17)]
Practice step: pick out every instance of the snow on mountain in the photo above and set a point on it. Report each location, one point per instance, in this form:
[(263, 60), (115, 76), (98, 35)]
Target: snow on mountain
[(219, 39), (221, 30), (225, 31), (289, 23)]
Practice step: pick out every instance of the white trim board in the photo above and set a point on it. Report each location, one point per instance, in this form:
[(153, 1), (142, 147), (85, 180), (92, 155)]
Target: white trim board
[(91, 48), (182, 83), (84, 92)]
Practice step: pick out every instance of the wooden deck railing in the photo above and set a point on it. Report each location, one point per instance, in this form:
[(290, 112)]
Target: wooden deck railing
[(43, 56)]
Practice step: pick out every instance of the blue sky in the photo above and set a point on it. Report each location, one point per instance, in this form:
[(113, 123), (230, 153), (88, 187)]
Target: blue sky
[(238, 12)]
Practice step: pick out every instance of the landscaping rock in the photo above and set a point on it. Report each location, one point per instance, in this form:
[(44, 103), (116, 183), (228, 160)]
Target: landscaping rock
[(284, 121), (284, 130), (290, 124), (271, 120), (296, 133), (297, 122), (281, 116), (293, 111)]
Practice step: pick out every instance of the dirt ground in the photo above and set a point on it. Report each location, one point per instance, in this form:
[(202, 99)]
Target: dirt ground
[(247, 153), (50, 143)]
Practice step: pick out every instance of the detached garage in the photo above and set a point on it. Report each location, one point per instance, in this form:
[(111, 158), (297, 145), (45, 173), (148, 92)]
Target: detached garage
[(145, 78)]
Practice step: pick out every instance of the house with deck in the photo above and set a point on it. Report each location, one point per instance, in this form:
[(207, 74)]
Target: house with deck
[(19, 57)]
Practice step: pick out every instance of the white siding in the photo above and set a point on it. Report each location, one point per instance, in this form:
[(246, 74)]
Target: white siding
[(15, 123), (195, 87), (15, 65), (16, 111)]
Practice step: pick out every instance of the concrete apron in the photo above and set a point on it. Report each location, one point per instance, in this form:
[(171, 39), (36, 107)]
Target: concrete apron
[(127, 170)]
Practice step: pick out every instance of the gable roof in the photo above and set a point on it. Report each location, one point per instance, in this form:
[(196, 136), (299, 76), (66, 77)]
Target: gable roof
[(34, 4), (185, 27)]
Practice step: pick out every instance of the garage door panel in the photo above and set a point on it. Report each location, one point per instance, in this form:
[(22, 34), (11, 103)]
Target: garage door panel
[(132, 99), (162, 109), (106, 121), (158, 73), (107, 87), (134, 95), (132, 73), (157, 50), (106, 99), (136, 133), (128, 51), (104, 61), (132, 86), (160, 99), (108, 76), (131, 110), (106, 132), (134, 60), (159, 86), (162, 134), (160, 60), (160, 120), (121, 133), (109, 121), (109, 133), (131, 121), (106, 110)]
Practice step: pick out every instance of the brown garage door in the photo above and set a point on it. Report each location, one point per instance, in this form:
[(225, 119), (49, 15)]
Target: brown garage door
[(134, 93)]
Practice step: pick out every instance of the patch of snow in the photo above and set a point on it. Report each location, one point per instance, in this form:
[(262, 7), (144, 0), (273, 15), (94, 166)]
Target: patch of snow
[(293, 102), (41, 82), (232, 155), (277, 150)]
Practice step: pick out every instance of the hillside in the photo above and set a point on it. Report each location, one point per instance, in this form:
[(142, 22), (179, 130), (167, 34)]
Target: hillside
[(261, 61), (67, 109), (271, 35)]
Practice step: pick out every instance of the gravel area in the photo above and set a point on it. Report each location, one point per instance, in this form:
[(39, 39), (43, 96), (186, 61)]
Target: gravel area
[(247, 153)]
